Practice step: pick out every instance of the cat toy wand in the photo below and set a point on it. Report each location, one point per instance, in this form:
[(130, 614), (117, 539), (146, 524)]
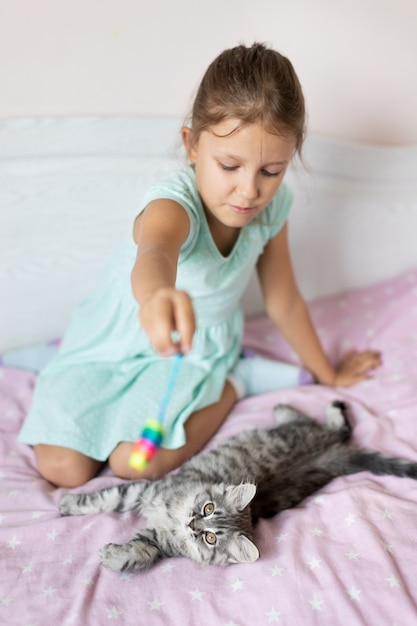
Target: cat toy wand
[(150, 440)]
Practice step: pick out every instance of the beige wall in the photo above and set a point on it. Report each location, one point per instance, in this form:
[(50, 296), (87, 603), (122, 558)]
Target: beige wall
[(356, 60)]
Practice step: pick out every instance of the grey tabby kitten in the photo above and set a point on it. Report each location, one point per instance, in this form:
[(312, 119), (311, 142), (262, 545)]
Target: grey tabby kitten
[(206, 510)]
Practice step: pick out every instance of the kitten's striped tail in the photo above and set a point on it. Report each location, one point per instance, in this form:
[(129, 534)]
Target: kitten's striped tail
[(377, 463)]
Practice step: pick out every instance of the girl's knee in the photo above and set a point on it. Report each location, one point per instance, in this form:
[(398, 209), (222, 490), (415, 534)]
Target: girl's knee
[(119, 460), (163, 462), (64, 467)]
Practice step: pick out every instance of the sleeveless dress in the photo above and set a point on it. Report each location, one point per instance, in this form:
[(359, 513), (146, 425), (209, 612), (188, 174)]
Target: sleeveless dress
[(106, 379)]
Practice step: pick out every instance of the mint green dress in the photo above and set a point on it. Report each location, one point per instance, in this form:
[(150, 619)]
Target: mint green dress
[(107, 379)]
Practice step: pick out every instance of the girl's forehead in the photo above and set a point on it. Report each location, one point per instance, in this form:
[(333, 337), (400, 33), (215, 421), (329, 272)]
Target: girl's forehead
[(232, 138)]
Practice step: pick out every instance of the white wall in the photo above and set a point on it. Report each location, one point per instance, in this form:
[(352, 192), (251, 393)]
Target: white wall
[(356, 60)]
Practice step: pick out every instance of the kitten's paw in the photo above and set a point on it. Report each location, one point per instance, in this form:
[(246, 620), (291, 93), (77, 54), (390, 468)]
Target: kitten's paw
[(340, 404), (337, 417), (336, 414), (283, 414), (69, 505), (116, 557), (138, 554)]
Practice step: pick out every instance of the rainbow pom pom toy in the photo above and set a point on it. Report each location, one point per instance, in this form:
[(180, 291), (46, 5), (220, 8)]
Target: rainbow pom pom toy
[(145, 447), (150, 440)]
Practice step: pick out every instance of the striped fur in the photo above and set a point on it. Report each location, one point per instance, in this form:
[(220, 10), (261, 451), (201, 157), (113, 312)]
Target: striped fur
[(206, 510)]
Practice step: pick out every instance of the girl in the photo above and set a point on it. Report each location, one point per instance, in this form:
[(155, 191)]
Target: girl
[(197, 237)]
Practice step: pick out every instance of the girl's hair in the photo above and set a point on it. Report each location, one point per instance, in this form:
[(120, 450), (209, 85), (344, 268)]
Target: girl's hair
[(254, 85)]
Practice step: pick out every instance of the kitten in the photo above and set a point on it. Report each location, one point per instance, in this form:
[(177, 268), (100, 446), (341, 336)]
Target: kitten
[(206, 510)]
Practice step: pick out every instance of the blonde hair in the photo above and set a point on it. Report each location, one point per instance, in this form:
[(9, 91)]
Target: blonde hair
[(253, 85)]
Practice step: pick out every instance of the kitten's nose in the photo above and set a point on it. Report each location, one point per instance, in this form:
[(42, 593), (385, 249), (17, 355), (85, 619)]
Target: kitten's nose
[(192, 524)]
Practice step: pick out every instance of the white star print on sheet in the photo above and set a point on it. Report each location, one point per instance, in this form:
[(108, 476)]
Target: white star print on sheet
[(276, 571), (155, 605), (387, 514), (393, 581), (49, 591), (196, 595), (350, 519), (354, 593), (237, 585), (352, 555), (314, 563), (273, 615), (316, 604), (113, 613), (13, 543), (51, 536), (167, 567), (27, 568)]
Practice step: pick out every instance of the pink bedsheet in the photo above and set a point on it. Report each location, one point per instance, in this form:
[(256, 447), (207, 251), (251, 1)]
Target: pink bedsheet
[(347, 555)]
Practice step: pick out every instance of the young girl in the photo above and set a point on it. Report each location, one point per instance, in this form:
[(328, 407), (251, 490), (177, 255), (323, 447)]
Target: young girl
[(197, 237)]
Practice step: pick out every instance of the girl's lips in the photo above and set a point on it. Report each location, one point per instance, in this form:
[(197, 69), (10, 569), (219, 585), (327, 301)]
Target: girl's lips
[(241, 209)]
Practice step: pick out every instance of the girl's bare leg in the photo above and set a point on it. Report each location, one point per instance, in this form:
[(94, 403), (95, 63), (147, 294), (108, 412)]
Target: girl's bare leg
[(199, 429), (64, 467)]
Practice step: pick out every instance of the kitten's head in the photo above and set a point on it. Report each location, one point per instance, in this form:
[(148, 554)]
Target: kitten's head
[(219, 525)]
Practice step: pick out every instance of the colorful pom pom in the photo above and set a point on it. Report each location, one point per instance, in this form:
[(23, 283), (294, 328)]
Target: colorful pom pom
[(142, 452), (153, 431), (144, 449)]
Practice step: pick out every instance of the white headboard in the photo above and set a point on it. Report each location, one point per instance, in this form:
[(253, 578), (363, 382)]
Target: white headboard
[(69, 188)]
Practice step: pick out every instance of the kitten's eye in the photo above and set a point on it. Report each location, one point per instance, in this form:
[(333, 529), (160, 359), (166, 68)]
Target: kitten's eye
[(208, 509), (210, 538)]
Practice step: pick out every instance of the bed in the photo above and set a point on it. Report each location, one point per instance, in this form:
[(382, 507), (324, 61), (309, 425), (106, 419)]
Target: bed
[(346, 555)]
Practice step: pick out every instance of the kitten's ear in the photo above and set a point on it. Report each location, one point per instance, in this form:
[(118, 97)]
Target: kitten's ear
[(242, 550), (241, 495)]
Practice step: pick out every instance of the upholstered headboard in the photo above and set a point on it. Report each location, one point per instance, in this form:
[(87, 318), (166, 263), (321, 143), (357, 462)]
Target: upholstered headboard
[(70, 186)]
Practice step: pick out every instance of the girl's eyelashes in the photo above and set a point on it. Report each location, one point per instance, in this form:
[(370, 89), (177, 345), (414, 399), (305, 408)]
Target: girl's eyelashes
[(232, 168), (228, 168), (270, 174)]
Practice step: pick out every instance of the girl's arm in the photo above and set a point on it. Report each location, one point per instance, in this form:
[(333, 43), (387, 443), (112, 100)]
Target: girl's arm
[(287, 309), (160, 231)]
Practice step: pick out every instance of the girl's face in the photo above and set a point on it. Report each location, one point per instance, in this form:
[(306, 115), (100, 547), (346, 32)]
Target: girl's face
[(237, 174)]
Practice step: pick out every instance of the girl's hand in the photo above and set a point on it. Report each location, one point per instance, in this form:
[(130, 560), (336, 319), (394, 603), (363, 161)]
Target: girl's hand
[(355, 366), (168, 319)]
